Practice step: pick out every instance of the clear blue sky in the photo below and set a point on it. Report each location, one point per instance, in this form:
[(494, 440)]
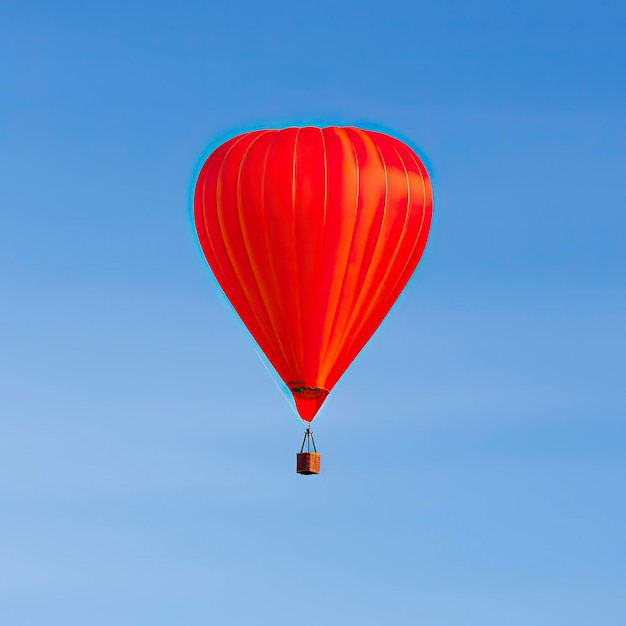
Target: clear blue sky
[(474, 455)]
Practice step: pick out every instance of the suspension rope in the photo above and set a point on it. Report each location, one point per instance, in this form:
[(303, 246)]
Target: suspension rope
[(308, 440)]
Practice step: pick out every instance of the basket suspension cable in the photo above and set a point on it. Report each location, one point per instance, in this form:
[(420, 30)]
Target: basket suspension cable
[(308, 440)]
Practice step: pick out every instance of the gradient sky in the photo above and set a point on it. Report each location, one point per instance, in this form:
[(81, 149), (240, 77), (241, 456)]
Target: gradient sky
[(473, 458)]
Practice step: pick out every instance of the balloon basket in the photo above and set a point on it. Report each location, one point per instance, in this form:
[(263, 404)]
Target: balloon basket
[(308, 463)]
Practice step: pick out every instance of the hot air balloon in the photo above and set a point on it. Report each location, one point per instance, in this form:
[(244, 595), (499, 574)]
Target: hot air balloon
[(312, 233)]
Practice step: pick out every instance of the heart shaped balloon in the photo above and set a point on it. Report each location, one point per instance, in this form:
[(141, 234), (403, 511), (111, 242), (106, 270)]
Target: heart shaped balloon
[(312, 233)]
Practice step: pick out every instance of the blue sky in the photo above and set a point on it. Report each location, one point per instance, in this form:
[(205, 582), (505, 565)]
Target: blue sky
[(473, 456)]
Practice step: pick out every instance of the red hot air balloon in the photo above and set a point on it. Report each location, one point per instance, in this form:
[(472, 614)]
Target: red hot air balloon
[(312, 233)]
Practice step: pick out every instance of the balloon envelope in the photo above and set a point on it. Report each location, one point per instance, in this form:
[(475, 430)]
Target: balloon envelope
[(312, 233)]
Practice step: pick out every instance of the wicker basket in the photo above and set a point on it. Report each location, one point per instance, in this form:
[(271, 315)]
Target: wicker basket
[(308, 463)]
